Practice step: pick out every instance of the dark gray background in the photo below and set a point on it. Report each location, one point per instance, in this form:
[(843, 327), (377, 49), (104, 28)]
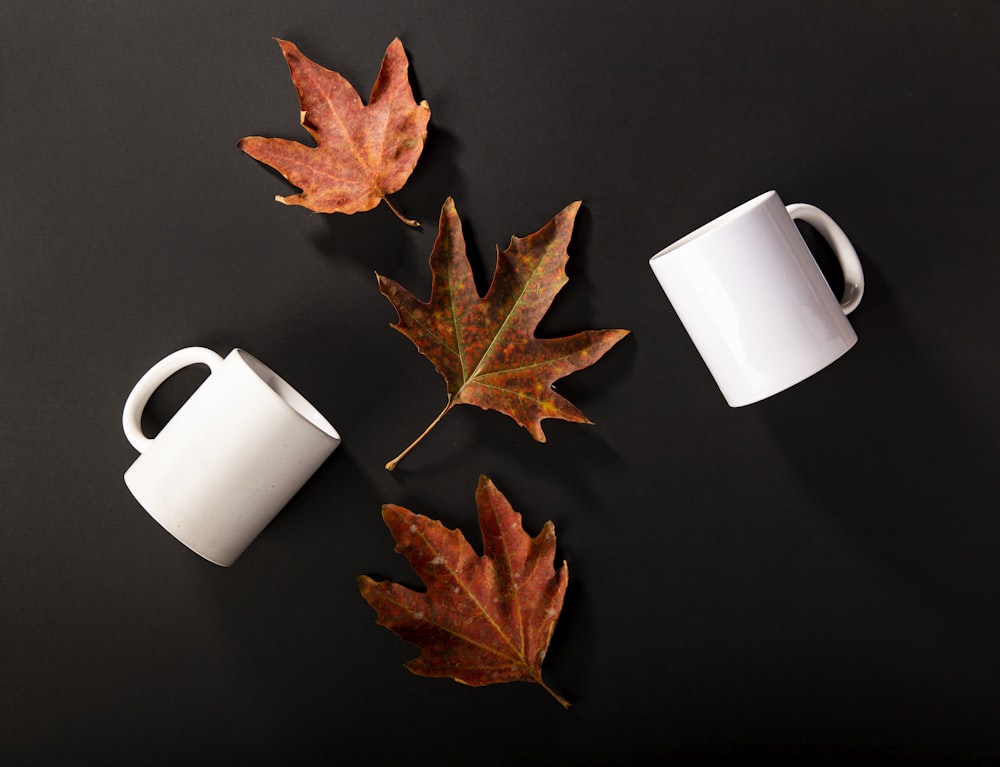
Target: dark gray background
[(814, 576)]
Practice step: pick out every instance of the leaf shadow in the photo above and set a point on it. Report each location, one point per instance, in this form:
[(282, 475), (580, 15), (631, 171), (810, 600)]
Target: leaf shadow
[(896, 463), (372, 241), (569, 659), (436, 177), (572, 308), (574, 458), (376, 240)]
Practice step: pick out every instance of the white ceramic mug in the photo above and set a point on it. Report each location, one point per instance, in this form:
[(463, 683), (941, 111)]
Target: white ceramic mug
[(230, 458), (754, 301)]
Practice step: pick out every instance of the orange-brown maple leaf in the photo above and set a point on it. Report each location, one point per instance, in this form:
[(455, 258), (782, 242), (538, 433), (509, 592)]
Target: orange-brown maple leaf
[(483, 619), (362, 153), (485, 347)]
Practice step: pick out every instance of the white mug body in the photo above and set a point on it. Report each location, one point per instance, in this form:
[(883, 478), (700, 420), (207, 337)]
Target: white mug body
[(754, 301), (230, 458)]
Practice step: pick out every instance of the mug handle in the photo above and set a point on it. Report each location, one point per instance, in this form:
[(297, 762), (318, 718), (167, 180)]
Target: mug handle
[(854, 278), (151, 381)]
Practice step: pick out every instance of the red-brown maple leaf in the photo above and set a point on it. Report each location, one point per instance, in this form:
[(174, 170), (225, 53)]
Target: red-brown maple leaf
[(482, 620), (485, 347), (362, 153)]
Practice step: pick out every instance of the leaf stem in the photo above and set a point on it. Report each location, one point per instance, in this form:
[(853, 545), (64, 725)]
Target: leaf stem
[(408, 221), (565, 703), (392, 464)]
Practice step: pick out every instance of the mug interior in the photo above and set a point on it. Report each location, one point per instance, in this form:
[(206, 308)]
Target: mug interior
[(721, 221), (296, 401)]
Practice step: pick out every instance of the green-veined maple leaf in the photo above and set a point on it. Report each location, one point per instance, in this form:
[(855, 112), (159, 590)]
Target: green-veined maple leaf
[(362, 153), (485, 347), (482, 620)]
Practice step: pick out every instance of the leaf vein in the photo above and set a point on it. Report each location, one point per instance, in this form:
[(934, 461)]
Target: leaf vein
[(519, 395), (348, 140), (513, 310), (416, 321), (530, 366), (451, 631), (518, 655)]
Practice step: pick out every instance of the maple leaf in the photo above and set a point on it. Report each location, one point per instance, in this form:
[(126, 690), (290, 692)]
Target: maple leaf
[(362, 153), (483, 619), (485, 347)]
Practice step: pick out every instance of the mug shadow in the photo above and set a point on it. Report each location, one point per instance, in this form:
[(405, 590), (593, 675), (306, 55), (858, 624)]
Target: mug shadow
[(895, 462), (289, 610)]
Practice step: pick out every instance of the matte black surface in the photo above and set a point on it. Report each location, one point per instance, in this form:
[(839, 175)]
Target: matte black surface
[(812, 577)]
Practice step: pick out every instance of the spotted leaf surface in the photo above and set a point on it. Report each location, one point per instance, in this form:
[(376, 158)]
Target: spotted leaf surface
[(485, 347), (362, 153), (483, 619)]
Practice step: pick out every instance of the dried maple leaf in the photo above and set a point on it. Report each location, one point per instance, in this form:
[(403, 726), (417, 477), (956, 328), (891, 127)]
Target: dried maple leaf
[(362, 153), (485, 347), (482, 620)]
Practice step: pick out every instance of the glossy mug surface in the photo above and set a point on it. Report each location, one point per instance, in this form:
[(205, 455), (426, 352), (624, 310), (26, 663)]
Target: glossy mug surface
[(754, 301), (230, 458)]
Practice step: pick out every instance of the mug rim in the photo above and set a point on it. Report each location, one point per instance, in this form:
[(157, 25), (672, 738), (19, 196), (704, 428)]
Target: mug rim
[(287, 394), (716, 223)]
